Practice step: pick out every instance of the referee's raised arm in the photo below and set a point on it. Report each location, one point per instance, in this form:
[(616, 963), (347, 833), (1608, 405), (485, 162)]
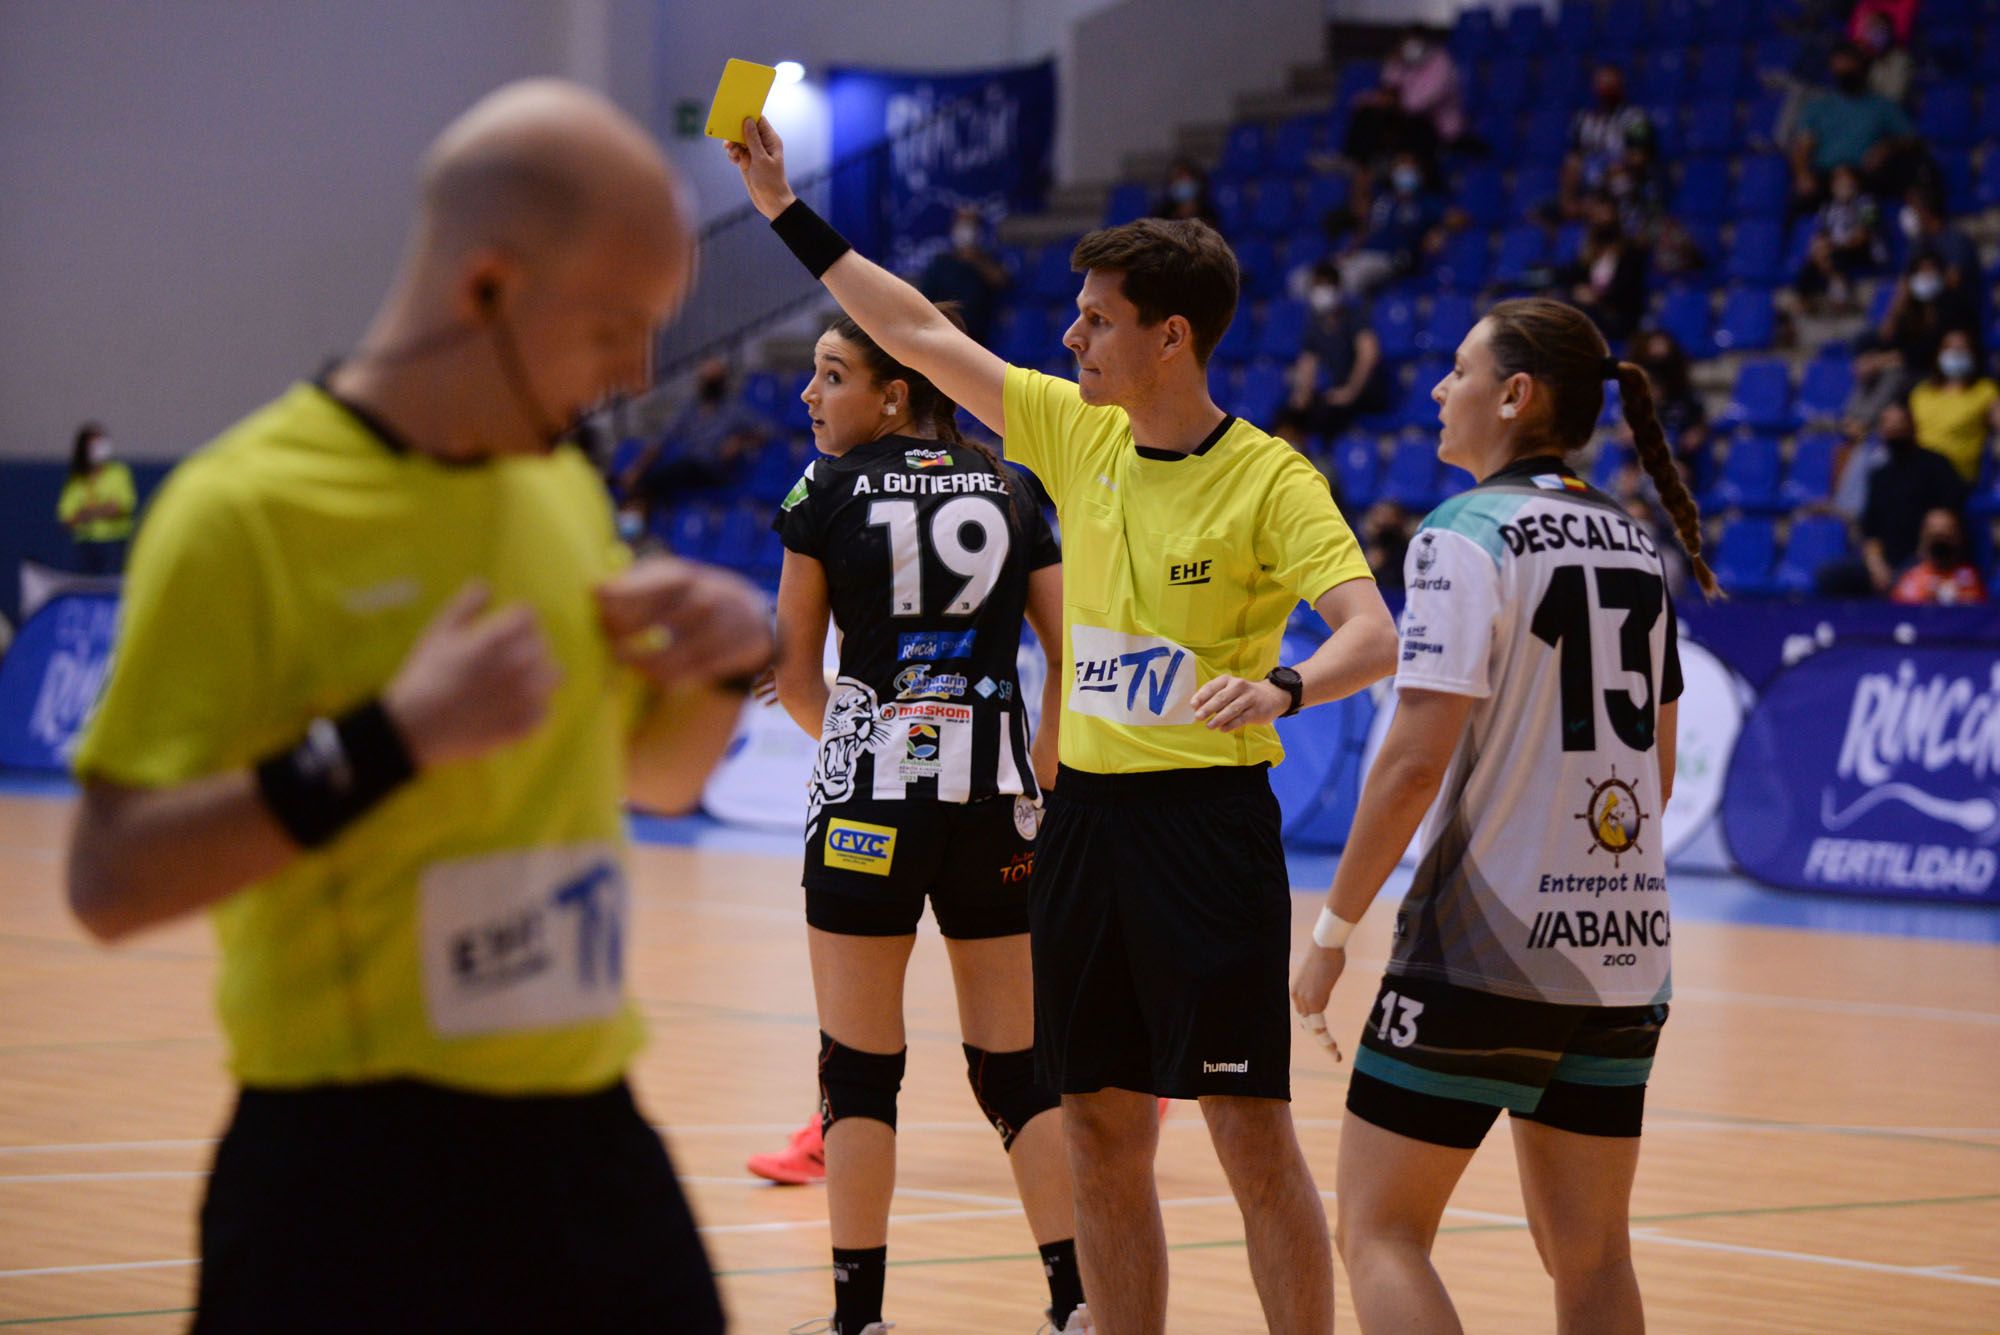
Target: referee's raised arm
[(897, 316)]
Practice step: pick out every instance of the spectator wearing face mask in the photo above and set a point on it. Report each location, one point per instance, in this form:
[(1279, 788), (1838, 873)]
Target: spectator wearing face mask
[(97, 502), (1904, 346), (1609, 135), (1923, 223), (1957, 408), (1851, 126), (1908, 483), (1338, 374), (1401, 226), (1187, 195), (1943, 575), (1385, 539), (1607, 280), (967, 274), (707, 448), (1419, 107), (1889, 64)]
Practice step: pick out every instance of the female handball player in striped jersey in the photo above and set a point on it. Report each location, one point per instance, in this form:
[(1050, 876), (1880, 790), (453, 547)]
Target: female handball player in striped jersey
[(1529, 971), (927, 557)]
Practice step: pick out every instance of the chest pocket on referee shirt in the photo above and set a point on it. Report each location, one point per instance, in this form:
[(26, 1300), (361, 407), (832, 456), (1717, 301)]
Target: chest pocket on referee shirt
[(1200, 600), (1096, 563)]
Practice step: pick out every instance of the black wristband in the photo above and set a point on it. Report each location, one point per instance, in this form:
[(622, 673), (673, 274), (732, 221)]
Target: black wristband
[(810, 237), (341, 769)]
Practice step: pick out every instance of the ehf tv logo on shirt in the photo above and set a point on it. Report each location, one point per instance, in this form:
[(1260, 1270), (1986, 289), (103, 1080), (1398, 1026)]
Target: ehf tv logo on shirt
[(1133, 679)]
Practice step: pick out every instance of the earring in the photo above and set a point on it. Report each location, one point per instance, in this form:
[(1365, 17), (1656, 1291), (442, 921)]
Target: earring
[(888, 410), (1507, 410)]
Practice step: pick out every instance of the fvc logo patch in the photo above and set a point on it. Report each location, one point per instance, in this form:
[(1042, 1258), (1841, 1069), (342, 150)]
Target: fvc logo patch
[(857, 846)]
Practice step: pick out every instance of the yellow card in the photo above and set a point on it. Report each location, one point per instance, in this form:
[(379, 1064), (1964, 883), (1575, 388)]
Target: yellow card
[(739, 97)]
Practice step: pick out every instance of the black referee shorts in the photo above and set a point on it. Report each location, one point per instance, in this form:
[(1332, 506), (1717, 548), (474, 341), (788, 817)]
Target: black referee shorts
[(406, 1206), (1161, 921), (870, 864)]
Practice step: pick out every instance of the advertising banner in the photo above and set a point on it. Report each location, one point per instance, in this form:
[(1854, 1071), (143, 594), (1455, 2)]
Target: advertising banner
[(51, 677)]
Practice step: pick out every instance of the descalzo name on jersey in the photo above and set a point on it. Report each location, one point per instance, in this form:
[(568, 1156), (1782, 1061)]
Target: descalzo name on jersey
[(1548, 532)]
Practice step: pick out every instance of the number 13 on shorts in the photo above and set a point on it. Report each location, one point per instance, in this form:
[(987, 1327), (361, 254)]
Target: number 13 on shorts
[(1398, 1024)]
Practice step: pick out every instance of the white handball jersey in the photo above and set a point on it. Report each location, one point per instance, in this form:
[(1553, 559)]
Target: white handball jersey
[(1542, 875)]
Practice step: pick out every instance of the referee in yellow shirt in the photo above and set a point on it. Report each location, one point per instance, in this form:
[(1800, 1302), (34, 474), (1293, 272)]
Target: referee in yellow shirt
[(1161, 905), (384, 679)]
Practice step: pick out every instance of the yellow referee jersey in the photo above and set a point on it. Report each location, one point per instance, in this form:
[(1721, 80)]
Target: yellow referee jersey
[(469, 930), (1176, 569)]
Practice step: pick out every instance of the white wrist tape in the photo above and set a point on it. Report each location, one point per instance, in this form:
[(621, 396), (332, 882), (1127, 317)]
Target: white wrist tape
[(1331, 931)]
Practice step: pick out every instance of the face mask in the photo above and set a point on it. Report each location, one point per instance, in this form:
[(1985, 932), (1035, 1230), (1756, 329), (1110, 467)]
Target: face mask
[(1604, 233), (631, 524), (1609, 98), (1926, 286), (712, 391), (98, 452), (1909, 222), (1325, 298), (965, 235), (1185, 191), (1942, 553), (1955, 363), (1413, 51), (1406, 180)]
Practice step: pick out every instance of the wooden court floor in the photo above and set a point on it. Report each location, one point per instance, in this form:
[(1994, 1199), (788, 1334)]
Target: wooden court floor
[(1822, 1151)]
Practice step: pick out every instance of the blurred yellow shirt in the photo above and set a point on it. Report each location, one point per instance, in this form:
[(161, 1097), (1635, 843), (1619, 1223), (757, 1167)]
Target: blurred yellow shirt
[(1954, 421)]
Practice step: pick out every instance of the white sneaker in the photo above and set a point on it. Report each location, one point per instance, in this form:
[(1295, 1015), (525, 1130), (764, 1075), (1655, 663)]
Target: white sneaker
[(1079, 1323), (825, 1326)]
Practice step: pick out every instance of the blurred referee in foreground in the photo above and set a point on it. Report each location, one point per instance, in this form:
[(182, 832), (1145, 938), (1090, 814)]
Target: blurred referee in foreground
[(385, 678)]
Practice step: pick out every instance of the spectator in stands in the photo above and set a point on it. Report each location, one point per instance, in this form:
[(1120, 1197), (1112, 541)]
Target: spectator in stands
[(1821, 286), (1682, 417), (1889, 64), (1419, 107), (1610, 134), (1385, 539), (1943, 574), (1846, 241), (1929, 233), (1675, 251), (1638, 199), (1908, 484), (1607, 280), (1403, 224), (968, 274), (1957, 407), (1899, 15), (1339, 373), (708, 447), (97, 502), (1187, 195), (1850, 126), (1898, 352)]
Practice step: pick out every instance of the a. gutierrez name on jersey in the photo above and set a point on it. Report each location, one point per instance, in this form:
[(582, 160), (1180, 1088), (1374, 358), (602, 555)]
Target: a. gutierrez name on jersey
[(1541, 597), (927, 555)]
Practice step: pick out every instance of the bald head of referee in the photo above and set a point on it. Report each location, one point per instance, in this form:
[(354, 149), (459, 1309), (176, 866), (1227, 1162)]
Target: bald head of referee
[(551, 241)]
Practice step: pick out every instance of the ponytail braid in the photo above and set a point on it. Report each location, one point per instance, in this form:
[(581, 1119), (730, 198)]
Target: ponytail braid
[(1635, 391)]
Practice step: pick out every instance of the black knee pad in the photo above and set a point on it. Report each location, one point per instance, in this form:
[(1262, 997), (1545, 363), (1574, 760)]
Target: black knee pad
[(1005, 1085), (853, 1083)]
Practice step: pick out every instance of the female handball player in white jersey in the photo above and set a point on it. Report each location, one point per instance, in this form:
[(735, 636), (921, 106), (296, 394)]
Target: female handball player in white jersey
[(1529, 970), (927, 555)]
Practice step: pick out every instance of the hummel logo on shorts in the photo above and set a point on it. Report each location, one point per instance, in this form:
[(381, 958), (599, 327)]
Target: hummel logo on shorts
[(1225, 1068)]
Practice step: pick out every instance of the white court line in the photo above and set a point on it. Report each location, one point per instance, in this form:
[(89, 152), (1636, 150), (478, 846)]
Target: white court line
[(1945, 1272), (84, 1147), (1835, 1006), (144, 1176), (93, 1269)]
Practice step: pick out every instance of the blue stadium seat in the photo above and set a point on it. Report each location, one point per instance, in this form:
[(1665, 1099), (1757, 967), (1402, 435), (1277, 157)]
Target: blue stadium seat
[(1451, 316), (1945, 116), (763, 394), (1461, 265), (1727, 21), (1809, 476), (1284, 326), (1878, 305), (1986, 184), (1325, 194), (1305, 248), (1240, 339), (1356, 77), (1622, 28), (1356, 466), (1685, 315), (1613, 458), (1724, 73), (1411, 478), (772, 473), (1536, 185), (1395, 323), (1565, 85), (1523, 250), (1021, 335), (1544, 138), (1666, 118), (735, 541), (1749, 477), (1776, 54), (1232, 206), (1568, 243), (1763, 187), (1127, 203), (1293, 142), (1762, 399), (1277, 207), (1703, 194), (1259, 265), (1813, 543), (792, 412), (1743, 555), (1527, 29), (1748, 322), (1482, 195), (1711, 129), (1826, 386), (1504, 89), (1417, 408), (1575, 30), (1757, 254), (1262, 393), (1243, 151), (1662, 75), (1955, 166), (1050, 278)]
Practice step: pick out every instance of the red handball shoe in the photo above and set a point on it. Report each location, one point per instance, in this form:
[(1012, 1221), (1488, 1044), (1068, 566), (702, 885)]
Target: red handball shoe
[(801, 1163)]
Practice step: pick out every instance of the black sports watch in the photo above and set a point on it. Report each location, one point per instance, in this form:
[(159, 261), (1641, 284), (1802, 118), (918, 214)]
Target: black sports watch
[(1288, 680)]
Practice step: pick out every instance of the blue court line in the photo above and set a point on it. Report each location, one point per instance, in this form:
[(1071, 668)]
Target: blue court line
[(1697, 896)]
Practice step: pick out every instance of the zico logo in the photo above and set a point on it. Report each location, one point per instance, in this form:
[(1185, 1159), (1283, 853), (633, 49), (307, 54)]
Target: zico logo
[(856, 846), (1134, 679), (1588, 928), (1188, 572)]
